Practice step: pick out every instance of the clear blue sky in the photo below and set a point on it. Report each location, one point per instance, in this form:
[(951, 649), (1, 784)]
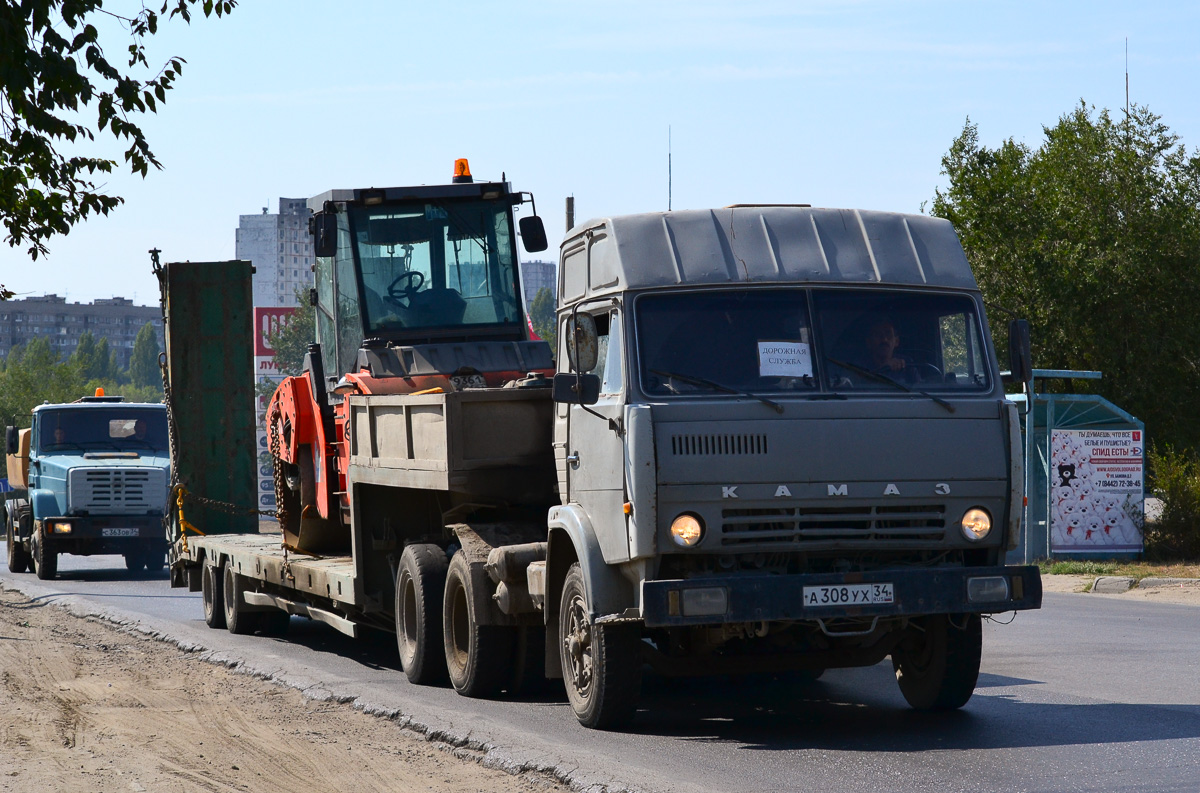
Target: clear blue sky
[(828, 103)]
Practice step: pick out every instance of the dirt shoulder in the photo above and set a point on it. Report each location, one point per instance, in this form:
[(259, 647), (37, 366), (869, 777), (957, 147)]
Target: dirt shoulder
[(1186, 592), (88, 707)]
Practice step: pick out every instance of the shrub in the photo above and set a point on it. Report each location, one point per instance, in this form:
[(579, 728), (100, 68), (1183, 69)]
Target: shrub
[(1176, 480)]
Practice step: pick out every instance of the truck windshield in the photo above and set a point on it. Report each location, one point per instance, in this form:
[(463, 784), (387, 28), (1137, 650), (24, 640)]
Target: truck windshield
[(96, 429), (440, 265), (765, 341)]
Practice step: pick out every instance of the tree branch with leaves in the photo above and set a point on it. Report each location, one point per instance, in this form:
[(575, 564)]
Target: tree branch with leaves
[(54, 71)]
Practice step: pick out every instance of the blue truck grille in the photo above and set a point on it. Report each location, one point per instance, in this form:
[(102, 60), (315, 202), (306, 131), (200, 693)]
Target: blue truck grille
[(798, 526), (116, 491)]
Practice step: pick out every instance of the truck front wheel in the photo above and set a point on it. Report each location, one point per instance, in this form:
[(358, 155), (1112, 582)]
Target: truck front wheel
[(212, 591), (601, 664), (18, 557), (938, 666), (420, 582), (45, 561), (479, 658)]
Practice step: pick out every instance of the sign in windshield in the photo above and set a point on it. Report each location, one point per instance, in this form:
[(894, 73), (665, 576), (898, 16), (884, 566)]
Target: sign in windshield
[(94, 429)]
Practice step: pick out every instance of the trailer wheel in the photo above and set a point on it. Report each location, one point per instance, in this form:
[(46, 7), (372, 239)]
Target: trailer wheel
[(237, 618), (212, 592), (45, 562), (420, 583), (601, 664), (939, 668), (479, 658), (18, 557)]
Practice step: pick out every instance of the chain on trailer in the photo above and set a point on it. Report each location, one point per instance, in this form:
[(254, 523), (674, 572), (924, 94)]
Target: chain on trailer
[(179, 492)]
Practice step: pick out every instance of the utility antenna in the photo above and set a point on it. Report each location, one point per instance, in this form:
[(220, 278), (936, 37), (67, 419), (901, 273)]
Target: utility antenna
[(668, 167), (1127, 77)]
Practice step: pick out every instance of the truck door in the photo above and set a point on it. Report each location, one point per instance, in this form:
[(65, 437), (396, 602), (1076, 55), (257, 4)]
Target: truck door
[(595, 452)]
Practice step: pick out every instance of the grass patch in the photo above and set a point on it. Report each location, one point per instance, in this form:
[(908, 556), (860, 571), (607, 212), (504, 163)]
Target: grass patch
[(1135, 570)]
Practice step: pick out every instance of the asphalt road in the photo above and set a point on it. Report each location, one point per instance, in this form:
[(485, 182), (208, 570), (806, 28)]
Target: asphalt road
[(1088, 694)]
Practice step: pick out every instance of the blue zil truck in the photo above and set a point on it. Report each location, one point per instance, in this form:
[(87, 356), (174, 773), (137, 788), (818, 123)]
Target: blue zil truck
[(89, 477)]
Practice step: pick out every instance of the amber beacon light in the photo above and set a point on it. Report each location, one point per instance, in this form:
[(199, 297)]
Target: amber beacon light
[(462, 171)]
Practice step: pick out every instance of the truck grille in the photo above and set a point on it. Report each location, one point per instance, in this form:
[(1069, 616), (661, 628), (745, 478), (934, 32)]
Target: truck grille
[(799, 526), (692, 445), (116, 491)]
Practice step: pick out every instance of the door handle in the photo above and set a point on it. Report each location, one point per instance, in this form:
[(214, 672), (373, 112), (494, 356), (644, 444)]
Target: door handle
[(573, 458)]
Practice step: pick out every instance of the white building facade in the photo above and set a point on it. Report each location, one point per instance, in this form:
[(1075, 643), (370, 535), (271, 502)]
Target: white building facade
[(281, 250)]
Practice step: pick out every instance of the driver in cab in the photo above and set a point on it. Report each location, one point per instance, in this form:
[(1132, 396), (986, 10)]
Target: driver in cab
[(880, 345)]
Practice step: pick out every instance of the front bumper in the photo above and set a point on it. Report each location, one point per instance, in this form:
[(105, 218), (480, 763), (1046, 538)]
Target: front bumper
[(765, 598), (108, 534)]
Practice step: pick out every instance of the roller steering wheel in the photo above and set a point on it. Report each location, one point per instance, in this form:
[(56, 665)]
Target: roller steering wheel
[(413, 280)]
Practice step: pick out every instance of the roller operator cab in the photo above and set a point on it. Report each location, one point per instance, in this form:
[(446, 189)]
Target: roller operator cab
[(92, 477), (782, 443)]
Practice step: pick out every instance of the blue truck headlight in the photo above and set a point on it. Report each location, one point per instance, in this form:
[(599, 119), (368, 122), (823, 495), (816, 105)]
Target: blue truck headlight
[(987, 589), (976, 524), (60, 527), (705, 602)]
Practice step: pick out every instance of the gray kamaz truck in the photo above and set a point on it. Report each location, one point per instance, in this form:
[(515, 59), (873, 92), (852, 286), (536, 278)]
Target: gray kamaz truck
[(777, 440)]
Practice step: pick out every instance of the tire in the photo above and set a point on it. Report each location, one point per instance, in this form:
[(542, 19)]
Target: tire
[(18, 557), (479, 658), (212, 592), (237, 619), (45, 562), (940, 669), (420, 585), (601, 664)]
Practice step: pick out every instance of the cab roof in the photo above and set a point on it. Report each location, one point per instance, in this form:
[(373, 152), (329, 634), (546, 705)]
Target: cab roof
[(752, 244)]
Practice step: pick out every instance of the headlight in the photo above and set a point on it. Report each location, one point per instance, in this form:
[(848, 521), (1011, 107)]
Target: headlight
[(60, 527), (686, 530), (976, 524)]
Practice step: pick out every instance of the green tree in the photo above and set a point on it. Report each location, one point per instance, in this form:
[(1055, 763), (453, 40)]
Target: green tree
[(104, 364), (291, 341), (1094, 236), (143, 361), (541, 316), (55, 71)]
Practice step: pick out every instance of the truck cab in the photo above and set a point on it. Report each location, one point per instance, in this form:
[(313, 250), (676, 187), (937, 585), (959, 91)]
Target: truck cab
[(93, 478)]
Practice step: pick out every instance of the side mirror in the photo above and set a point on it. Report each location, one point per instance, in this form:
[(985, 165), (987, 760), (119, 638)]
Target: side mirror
[(582, 342), (11, 440), (533, 234), (576, 389), (324, 230), (1020, 359)]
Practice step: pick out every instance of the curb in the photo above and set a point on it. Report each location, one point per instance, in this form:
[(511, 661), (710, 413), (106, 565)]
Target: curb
[(1111, 585)]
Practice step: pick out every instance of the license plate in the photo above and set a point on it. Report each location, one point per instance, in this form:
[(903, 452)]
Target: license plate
[(849, 595), (119, 532)]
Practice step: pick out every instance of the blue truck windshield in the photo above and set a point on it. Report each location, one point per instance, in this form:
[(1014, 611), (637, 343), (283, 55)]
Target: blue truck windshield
[(437, 266), (796, 340), (102, 429)]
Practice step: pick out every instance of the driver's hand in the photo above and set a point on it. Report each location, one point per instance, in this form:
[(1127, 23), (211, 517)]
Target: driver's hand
[(896, 364)]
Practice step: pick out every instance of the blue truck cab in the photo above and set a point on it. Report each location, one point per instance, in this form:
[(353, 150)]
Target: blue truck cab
[(90, 477)]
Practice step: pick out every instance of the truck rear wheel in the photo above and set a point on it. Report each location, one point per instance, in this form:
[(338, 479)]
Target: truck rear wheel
[(45, 562), (420, 584), (938, 669), (479, 658), (212, 592), (601, 664), (18, 557), (237, 619)]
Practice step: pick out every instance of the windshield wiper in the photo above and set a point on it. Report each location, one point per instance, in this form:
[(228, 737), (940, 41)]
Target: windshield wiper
[(885, 379), (700, 381)]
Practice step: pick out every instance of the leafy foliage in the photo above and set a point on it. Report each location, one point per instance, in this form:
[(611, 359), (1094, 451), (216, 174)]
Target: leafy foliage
[(541, 316), (1176, 480), (54, 70), (291, 341), (34, 374), (143, 360), (1094, 236)]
